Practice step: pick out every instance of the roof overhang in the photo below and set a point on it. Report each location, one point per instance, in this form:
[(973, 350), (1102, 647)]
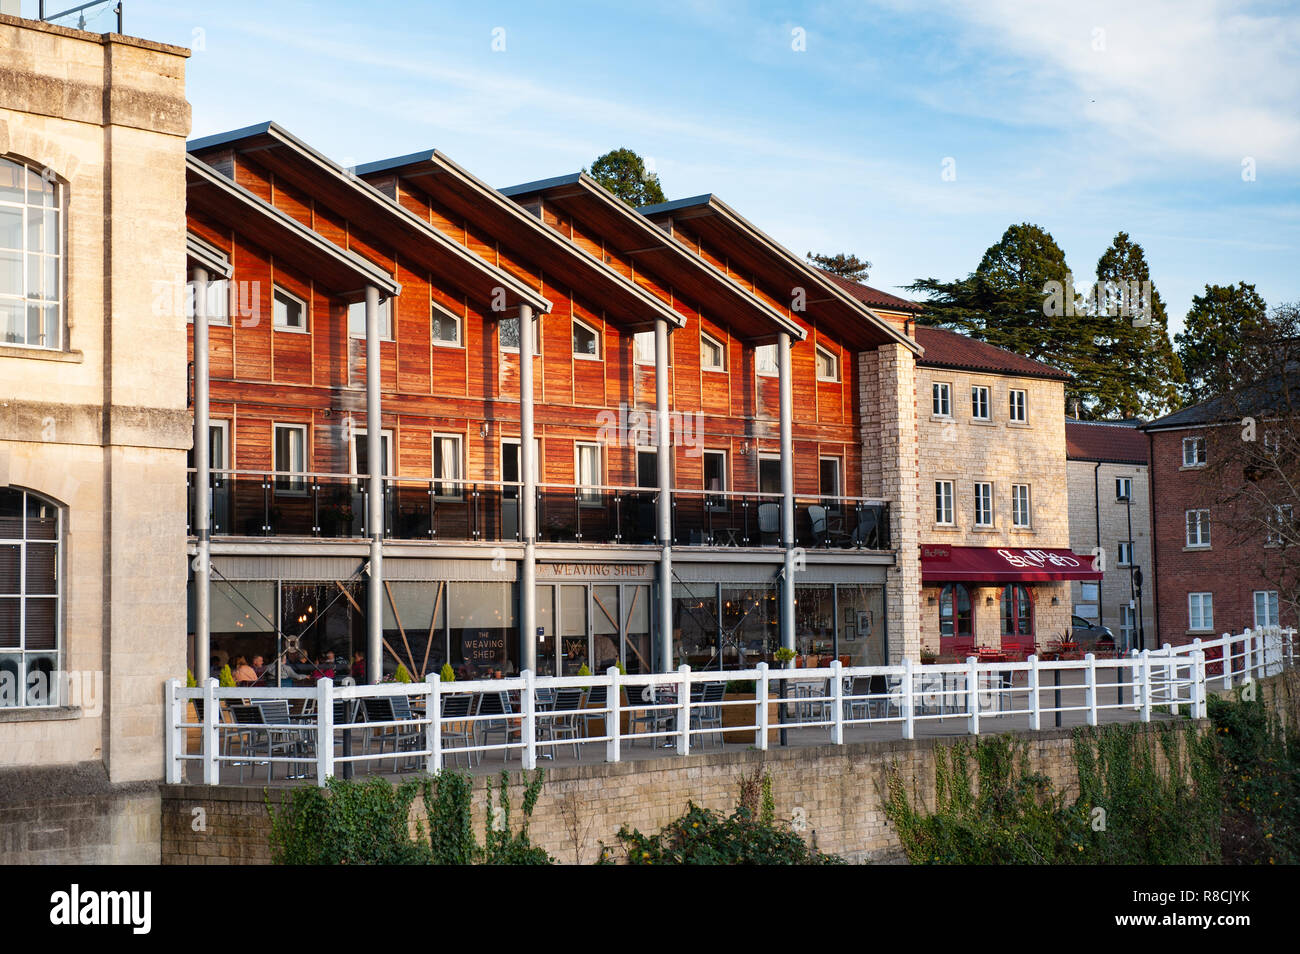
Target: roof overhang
[(229, 204), (203, 254), (580, 197), (626, 303), (313, 174), (756, 253)]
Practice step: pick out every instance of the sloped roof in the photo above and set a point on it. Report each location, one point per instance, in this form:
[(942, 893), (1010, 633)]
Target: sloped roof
[(1111, 442), (948, 349), (1275, 393), (874, 296)]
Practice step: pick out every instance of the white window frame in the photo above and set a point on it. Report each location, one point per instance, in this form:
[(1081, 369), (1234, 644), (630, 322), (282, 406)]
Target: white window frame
[(278, 290), (514, 349), (1018, 410), (589, 494), (762, 366), (940, 399), (1123, 488), (438, 313), (386, 443), (839, 475), (943, 503), (218, 294), (1127, 623), (385, 319), (1197, 447), (1120, 547), (823, 352), (57, 206), (721, 364), (770, 457), (981, 397), (1271, 608), (447, 486), (643, 347), (598, 354), (290, 481), (636, 462), (1202, 527), (1021, 511), (984, 501), (1197, 606)]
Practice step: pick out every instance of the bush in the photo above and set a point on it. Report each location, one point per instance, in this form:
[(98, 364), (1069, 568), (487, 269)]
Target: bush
[(402, 674), (226, 678), (447, 674)]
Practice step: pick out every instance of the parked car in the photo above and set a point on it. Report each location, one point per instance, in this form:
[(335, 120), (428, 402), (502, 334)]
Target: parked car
[(1091, 636)]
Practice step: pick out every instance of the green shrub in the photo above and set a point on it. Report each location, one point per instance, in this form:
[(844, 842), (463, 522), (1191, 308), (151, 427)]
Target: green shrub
[(226, 678), (447, 674), (402, 674), (583, 670), (190, 681)]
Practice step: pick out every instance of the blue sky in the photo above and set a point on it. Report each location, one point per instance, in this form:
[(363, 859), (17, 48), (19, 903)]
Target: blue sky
[(1082, 118)]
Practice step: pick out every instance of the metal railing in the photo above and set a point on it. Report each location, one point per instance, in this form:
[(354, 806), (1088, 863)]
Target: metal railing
[(336, 506), (431, 724)]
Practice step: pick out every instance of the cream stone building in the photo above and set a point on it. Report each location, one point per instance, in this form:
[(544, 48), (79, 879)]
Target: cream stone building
[(94, 430)]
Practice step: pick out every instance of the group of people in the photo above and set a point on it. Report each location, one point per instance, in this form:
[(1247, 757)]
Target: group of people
[(293, 670)]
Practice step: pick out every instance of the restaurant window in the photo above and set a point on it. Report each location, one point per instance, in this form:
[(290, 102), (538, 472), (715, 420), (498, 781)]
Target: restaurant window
[(765, 360), (1123, 488), (1017, 612), (713, 355), (1266, 608), (828, 365), (979, 403), (447, 469), (1198, 528), (357, 319), (1020, 513), (943, 502), (1017, 411), (216, 302), (290, 458), (1200, 612), (769, 474), (444, 327), (587, 467), (288, 311), (30, 584), (1193, 451), (983, 504), (586, 341), (941, 399), (31, 257), (955, 613)]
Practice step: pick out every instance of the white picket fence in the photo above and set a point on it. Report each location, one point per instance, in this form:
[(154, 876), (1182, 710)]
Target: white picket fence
[(431, 724)]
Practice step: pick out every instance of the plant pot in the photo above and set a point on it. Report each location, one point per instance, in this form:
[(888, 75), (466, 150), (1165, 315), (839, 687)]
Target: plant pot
[(744, 715)]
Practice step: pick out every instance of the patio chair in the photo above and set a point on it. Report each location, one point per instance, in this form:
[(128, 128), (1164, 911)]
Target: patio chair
[(769, 524), (708, 716), (855, 708), (597, 697), (638, 697), (563, 718), (392, 709), (507, 726), (276, 712), (825, 533), (277, 742), (459, 734)]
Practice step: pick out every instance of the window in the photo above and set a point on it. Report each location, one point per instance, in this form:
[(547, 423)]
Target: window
[(1017, 613), (643, 347), (983, 504), (1200, 612), (647, 467), (508, 335), (1266, 608), (30, 589), (941, 400), (361, 455), (1017, 410), (1123, 488), (943, 502), (1020, 505), (979, 403), (1279, 525), (715, 478), (1193, 451), (1198, 528), (444, 327), (289, 312), (31, 258), (955, 615), (216, 301), (588, 472), (828, 365), (357, 319), (829, 477), (713, 355), (290, 458), (586, 341), (769, 474), (447, 471), (1127, 624), (1125, 552), (765, 360)]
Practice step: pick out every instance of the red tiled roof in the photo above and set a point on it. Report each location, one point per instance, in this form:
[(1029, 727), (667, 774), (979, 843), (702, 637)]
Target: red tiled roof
[(948, 349), (873, 297), (1114, 443)]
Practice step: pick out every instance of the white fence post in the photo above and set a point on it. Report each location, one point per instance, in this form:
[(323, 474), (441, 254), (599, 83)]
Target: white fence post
[(324, 729), (1226, 654), (973, 694), (1196, 675), (1248, 654), (1200, 708), (1090, 692), (211, 745), (433, 730), (1290, 647), (1035, 708), (837, 700), (528, 729), (1171, 679), (175, 734), (684, 710), (909, 717), (1146, 685), (760, 699), (613, 729)]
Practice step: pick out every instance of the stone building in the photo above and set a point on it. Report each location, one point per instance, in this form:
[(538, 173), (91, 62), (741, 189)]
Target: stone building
[(1110, 513), (93, 434)]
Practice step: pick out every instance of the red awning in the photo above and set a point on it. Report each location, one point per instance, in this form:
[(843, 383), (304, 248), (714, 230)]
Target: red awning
[(947, 564)]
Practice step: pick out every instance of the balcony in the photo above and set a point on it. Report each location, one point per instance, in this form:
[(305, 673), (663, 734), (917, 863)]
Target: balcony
[(336, 506)]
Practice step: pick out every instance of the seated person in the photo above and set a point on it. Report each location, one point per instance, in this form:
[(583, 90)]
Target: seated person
[(243, 673)]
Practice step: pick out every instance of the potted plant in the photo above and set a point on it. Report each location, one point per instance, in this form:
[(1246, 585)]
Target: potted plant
[(447, 674), (929, 657), (402, 674), (225, 678)]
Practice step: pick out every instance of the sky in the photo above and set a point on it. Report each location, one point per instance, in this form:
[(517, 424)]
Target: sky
[(909, 132)]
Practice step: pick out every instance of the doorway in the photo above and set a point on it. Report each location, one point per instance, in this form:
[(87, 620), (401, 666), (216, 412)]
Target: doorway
[(596, 625)]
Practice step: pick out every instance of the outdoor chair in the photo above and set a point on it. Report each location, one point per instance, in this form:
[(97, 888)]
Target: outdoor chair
[(707, 717), (856, 708), (769, 524), (276, 712), (596, 698), (457, 731), (392, 709), (277, 742), (867, 532), (825, 533), (507, 725), (563, 718), (638, 697)]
